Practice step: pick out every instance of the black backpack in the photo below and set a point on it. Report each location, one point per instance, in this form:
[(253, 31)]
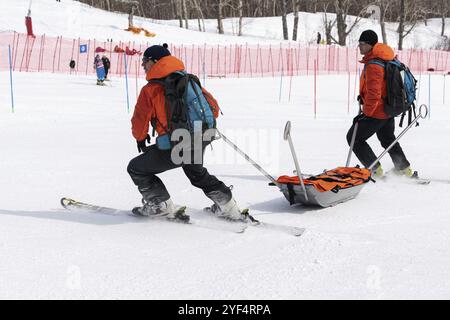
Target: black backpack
[(400, 89)]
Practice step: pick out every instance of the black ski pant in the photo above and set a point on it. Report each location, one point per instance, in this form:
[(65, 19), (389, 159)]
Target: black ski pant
[(144, 168), (384, 128)]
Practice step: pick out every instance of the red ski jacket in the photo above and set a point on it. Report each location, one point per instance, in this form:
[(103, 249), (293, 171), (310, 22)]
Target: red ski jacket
[(151, 102)]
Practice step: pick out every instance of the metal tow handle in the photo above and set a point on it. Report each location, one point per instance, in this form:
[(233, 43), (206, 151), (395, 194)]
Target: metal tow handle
[(287, 136), (423, 112)]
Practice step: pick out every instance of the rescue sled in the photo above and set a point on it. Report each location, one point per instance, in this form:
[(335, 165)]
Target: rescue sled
[(326, 189), (330, 187)]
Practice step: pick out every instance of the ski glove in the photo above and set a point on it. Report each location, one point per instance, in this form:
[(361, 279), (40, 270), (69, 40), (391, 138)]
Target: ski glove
[(359, 117), (360, 100), (141, 145)]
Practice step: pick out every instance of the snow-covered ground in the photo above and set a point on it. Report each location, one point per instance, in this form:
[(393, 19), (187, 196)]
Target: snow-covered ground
[(69, 137), (74, 19)]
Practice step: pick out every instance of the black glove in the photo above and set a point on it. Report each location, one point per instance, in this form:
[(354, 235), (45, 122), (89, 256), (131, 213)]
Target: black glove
[(141, 145), (358, 118), (360, 100)]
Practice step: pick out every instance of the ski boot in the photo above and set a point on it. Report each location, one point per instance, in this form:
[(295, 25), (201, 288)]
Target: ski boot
[(163, 209), (229, 211), (407, 172), (377, 173)]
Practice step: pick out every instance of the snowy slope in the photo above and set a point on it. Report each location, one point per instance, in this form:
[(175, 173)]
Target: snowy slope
[(73, 19), (68, 137)]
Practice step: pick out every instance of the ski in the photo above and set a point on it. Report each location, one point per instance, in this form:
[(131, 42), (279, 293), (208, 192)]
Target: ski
[(182, 217), (251, 221), (295, 231), (291, 230), (414, 179), (436, 180)]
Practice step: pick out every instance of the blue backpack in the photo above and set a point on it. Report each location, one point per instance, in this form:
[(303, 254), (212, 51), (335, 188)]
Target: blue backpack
[(186, 107), (400, 89)]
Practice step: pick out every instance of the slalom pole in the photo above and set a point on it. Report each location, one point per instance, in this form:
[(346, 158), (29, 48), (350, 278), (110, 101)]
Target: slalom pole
[(242, 153), (443, 92), (429, 95), (126, 82), (10, 78), (315, 89), (348, 92), (137, 92), (423, 111), (292, 74), (281, 86)]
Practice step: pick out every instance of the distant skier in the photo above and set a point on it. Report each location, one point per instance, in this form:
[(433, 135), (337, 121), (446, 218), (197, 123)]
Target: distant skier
[(373, 119), (106, 65), (100, 69), (319, 37), (151, 107)]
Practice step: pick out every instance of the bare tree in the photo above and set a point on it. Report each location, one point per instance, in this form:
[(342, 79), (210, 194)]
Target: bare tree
[(444, 12), (295, 5), (328, 25), (241, 14), (284, 19), (185, 13), (200, 17), (407, 16), (342, 8), (384, 5), (220, 16)]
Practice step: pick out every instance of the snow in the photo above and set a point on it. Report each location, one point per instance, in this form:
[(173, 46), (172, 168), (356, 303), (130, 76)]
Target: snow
[(69, 137), (74, 19)]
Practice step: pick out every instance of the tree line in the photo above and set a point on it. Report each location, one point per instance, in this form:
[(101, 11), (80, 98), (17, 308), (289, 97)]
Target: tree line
[(407, 13)]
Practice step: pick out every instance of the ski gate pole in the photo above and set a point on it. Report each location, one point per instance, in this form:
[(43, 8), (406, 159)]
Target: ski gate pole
[(11, 78), (242, 153), (423, 112), (126, 81)]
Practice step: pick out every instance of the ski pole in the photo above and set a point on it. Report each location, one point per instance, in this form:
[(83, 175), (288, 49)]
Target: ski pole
[(287, 136), (423, 112), (352, 142), (242, 153)]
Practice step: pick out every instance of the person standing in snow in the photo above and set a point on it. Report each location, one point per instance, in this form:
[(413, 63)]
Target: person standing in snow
[(106, 65), (151, 107), (373, 120), (100, 69)]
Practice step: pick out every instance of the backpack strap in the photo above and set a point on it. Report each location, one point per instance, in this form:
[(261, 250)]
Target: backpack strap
[(173, 86), (377, 61)]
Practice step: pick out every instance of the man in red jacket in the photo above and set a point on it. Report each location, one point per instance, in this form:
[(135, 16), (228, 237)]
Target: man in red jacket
[(373, 119), (151, 107)]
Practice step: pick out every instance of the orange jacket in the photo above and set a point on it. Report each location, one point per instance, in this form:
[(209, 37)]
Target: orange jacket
[(151, 102), (372, 85)]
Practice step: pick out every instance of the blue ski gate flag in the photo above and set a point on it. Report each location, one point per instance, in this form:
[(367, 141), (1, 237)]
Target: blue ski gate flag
[(83, 48)]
